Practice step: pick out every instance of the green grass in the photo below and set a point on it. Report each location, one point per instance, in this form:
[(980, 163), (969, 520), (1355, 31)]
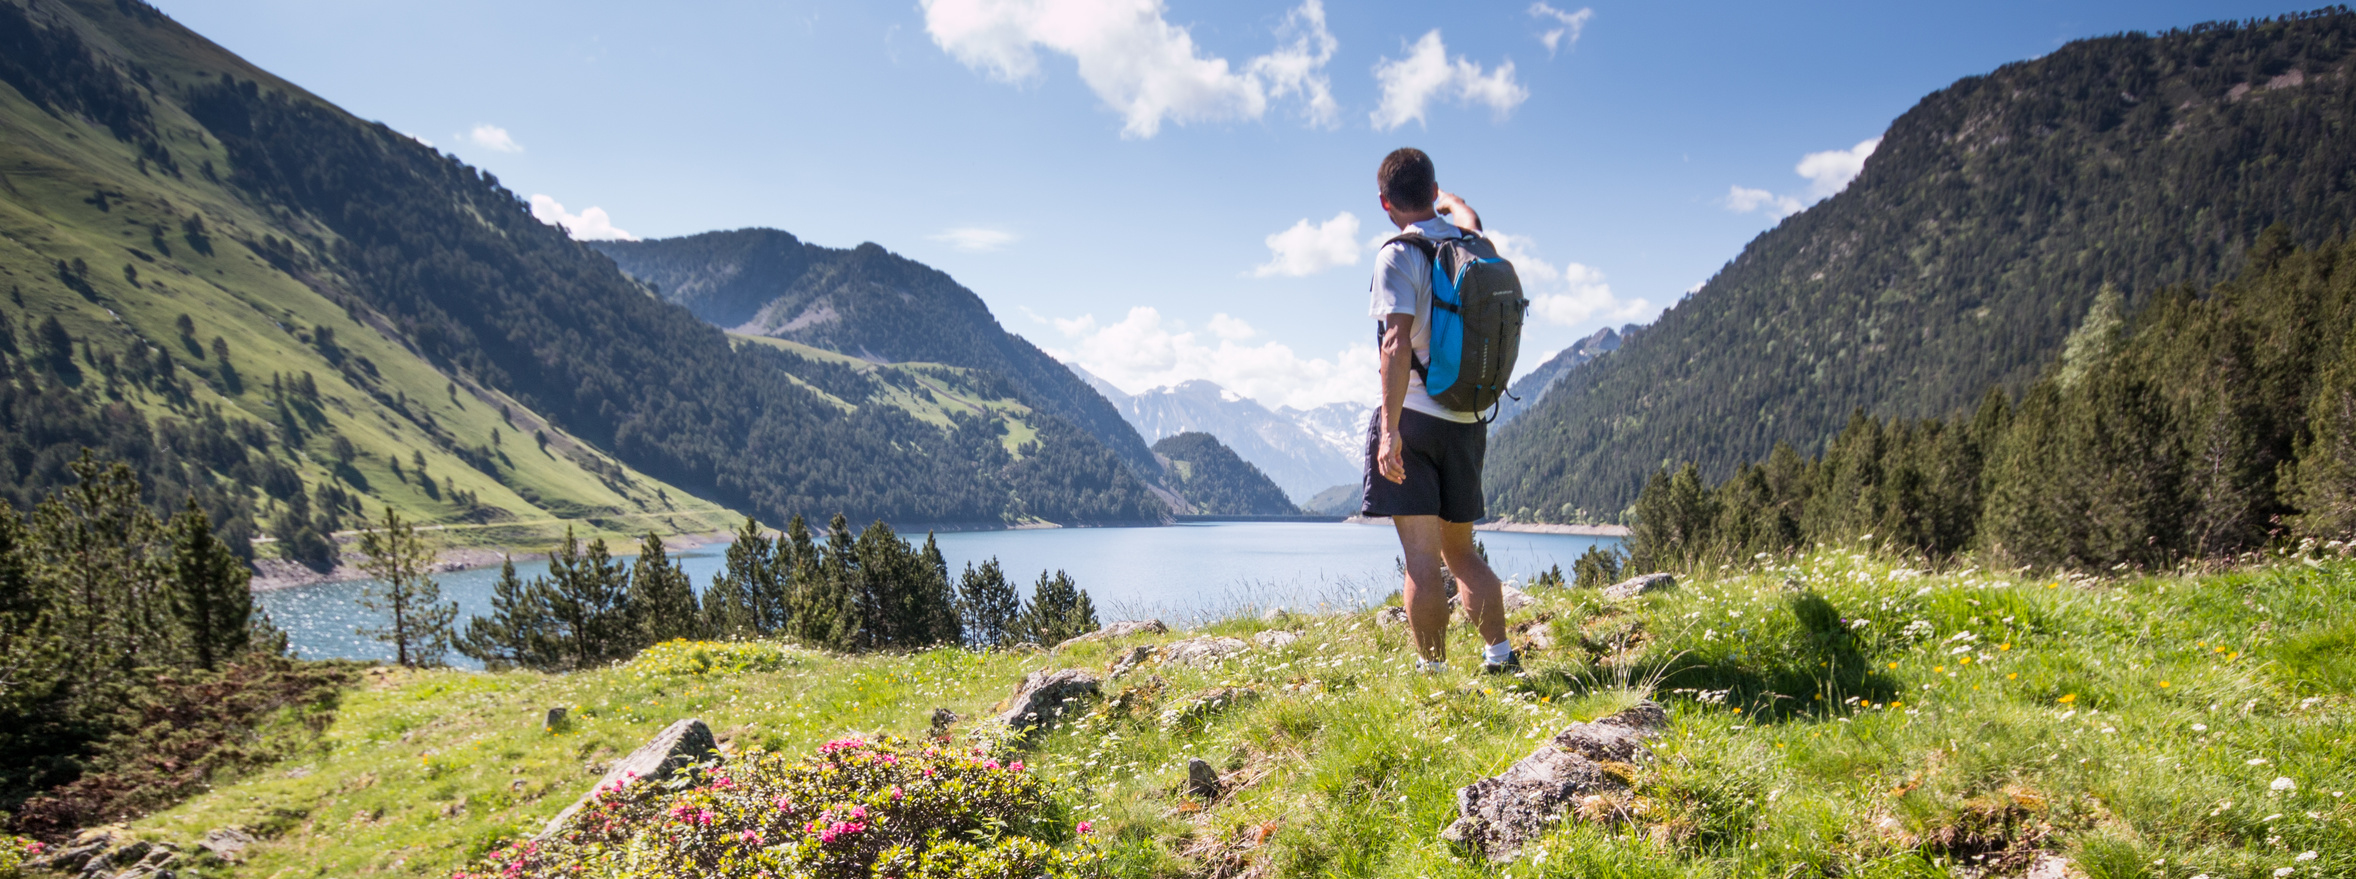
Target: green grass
[(2136, 726), (49, 168)]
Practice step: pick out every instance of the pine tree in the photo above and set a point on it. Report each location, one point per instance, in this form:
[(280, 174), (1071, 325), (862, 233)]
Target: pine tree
[(211, 593), (96, 566), (935, 598), (1058, 612), (418, 626), (512, 636), (990, 607), (1596, 568), (662, 596), (825, 610), (727, 611), (2322, 483), (589, 604)]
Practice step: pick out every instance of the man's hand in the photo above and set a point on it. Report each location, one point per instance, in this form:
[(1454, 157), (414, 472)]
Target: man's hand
[(1387, 457), (1450, 206)]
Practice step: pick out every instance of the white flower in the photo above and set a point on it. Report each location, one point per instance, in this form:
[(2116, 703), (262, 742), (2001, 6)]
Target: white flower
[(2305, 856), (2285, 871), (2200, 727), (2255, 761), (2283, 785)]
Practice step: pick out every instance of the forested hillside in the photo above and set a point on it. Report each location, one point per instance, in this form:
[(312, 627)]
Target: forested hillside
[(1216, 481), (310, 312), (1977, 236), (867, 302), (2203, 426)]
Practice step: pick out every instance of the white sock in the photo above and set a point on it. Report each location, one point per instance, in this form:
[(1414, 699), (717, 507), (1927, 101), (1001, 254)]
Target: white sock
[(1498, 652)]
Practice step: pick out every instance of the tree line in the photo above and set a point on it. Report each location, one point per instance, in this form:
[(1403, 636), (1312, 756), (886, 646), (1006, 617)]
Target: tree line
[(2203, 425), (838, 591)]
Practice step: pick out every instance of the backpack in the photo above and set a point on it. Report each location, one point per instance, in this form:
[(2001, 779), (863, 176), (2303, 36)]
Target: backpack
[(1476, 323)]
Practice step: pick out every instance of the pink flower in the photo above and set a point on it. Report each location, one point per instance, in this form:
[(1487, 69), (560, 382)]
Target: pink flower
[(1018, 766), (858, 811), (1086, 827), (896, 793), (989, 764)]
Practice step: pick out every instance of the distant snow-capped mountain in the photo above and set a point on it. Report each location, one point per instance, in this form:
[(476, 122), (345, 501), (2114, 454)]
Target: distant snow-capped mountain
[(1302, 451)]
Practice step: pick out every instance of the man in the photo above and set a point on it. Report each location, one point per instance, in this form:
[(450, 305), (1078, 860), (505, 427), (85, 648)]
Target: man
[(1423, 460)]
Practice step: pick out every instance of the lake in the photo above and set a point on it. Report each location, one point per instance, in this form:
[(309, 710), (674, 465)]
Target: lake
[(1178, 573)]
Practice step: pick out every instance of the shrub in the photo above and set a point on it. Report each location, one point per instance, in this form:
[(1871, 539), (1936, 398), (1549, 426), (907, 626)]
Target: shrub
[(682, 657), (855, 809), (14, 852)]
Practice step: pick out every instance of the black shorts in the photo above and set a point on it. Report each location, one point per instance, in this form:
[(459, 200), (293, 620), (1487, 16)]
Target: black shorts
[(1443, 461)]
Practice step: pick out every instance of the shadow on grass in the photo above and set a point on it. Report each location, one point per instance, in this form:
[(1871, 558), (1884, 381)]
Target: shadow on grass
[(1809, 673)]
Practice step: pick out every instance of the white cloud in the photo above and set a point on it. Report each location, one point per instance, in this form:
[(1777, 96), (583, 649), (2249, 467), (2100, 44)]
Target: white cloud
[(1569, 295), (1135, 60), (591, 224), (1743, 200), (1306, 250), (491, 137), (1573, 23), (1144, 350), (1227, 326), (975, 239), (1830, 171), (1410, 84)]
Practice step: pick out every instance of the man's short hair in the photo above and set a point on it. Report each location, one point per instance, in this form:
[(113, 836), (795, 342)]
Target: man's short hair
[(1407, 179)]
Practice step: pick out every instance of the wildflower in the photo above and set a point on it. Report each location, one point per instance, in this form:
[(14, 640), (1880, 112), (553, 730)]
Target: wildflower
[(2283, 784), (2284, 871), (1086, 827), (896, 795), (2163, 684), (1016, 766), (2305, 856), (2067, 698)]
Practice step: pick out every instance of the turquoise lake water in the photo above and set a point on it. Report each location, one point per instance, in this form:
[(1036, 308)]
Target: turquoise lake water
[(1178, 573)]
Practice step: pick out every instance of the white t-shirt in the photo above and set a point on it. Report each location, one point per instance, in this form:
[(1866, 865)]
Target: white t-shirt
[(1403, 285)]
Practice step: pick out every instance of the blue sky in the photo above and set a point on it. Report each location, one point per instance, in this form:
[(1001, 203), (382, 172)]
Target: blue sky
[(1173, 190)]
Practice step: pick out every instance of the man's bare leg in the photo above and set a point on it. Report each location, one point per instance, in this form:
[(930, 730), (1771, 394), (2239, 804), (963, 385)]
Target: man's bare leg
[(1476, 585), (1426, 597)]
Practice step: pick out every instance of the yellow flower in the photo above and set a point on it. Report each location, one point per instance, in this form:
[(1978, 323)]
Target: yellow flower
[(1893, 665), (2004, 646), (2013, 676), (1936, 669), (1965, 661), (2163, 683), (2067, 698)]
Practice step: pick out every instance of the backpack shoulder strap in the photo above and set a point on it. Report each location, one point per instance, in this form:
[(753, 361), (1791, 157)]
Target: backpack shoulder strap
[(1416, 240)]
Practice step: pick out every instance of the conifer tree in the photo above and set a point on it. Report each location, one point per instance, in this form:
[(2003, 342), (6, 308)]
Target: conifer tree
[(935, 598), (1059, 611), (97, 568), (589, 605), (2322, 484), (514, 635), (212, 592), (727, 611), (1596, 568), (661, 596), (990, 607), (754, 564), (418, 621), (825, 611)]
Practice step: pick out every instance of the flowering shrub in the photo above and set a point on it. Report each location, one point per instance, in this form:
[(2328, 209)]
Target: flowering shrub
[(855, 809), (684, 657), (14, 852)]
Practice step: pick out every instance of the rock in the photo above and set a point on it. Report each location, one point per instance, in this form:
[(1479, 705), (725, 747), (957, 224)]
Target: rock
[(1638, 586), (226, 843), (1206, 650), (1201, 779), (2048, 866), (1210, 702), (942, 718), (1516, 599), (1130, 661), (1040, 700), (678, 746), (96, 845), (555, 721), (1537, 634), (1276, 615), (1119, 629), (1391, 616), (1576, 772), (1274, 639)]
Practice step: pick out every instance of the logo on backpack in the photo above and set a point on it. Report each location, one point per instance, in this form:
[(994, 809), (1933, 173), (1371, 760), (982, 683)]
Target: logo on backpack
[(1476, 323)]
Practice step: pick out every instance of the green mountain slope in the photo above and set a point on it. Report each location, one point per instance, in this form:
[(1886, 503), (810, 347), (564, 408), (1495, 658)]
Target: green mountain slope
[(204, 345), (1977, 236), (453, 313), (865, 301), (1216, 481)]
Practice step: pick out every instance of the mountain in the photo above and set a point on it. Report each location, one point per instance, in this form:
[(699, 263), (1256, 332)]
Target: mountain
[(303, 318), (1302, 451), (1216, 482), (1529, 389), (1977, 236), (866, 302)]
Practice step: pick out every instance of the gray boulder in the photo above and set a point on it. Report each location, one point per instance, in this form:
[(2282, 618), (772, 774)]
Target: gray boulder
[(1516, 599), (1499, 814), (1391, 616), (1039, 701), (680, 745), (1128, 662), (1274, 639), (1205, 650), (1118, 629), (226, 843), (1636, 586)]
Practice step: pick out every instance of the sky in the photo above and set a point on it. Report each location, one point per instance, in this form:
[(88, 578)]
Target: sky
[(1165, 191)]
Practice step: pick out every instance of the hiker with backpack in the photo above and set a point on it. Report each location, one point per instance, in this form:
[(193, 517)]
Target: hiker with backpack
[(1449, 314)]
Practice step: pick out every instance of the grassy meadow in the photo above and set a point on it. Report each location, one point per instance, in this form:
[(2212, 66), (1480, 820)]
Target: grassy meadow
[(1839, 714)]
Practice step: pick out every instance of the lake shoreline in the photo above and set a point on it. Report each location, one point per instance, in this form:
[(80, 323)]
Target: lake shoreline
[(271, 575)]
